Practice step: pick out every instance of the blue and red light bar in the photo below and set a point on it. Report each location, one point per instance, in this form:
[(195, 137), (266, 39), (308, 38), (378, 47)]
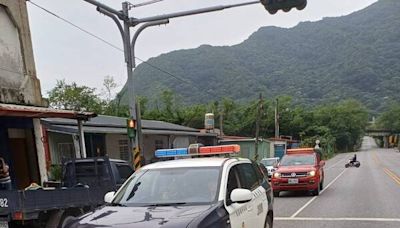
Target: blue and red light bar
[(171, 152), (205, 150), (219, 149)]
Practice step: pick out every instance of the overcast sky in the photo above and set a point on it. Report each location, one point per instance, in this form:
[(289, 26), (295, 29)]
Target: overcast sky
[(63, 52)]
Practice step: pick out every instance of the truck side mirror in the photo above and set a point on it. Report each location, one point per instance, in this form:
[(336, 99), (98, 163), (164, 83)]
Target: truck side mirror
[(108, 197)]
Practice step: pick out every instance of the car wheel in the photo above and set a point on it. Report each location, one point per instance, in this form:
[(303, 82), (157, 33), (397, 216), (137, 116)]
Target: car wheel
[(65, 221), (276, 193), (268, 222), (316, 191), (346, 166)]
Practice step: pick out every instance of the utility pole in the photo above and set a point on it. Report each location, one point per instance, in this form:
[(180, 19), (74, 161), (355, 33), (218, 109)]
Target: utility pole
[(221, 121), (129, 52), (276, 118), (258, 118)]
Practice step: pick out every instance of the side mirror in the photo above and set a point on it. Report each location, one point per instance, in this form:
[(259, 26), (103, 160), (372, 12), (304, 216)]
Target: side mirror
[(108, 197), (240, 195), (322, 163)]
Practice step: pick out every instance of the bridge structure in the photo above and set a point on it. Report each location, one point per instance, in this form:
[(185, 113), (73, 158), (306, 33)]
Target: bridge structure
[(390, 138)]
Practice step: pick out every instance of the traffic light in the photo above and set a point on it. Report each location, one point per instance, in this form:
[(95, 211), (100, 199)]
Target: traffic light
[(272, 6), (130, 125)]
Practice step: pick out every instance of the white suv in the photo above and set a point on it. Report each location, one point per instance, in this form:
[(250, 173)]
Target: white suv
[(195, 192)]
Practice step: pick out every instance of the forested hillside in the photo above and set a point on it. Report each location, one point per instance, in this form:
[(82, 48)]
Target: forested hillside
[(354, 56)]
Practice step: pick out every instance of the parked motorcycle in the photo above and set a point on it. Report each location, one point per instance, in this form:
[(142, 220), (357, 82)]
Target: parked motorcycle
[(350, 163)]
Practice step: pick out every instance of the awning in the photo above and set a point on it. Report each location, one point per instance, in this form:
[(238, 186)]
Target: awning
[(41, 112)]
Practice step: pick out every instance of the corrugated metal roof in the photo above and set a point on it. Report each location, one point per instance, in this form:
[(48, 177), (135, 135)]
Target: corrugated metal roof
[(42, 112), (118, 130), (117, 125), (113, 121)]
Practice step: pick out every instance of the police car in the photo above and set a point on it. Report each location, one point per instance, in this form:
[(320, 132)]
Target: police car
[(192, 192)]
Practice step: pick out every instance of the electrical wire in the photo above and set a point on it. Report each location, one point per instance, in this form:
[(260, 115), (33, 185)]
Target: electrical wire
[(107, 42)]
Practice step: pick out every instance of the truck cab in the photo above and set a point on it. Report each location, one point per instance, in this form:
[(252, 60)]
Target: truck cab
[(98, 171), (299, 170)]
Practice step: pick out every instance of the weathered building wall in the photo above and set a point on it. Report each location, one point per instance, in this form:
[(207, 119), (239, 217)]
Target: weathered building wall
[(18, 81)]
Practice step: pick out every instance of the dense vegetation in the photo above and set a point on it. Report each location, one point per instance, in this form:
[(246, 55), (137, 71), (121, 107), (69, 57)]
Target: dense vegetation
[(354, 56), (390, 119), (339, 126), (325, 74)]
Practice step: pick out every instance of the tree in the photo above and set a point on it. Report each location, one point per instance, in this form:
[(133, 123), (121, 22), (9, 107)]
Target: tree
[(74, 97), (109, 85), (390, 119)]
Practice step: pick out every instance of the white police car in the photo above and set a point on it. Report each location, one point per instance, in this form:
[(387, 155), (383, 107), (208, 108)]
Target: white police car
[(195, 192)]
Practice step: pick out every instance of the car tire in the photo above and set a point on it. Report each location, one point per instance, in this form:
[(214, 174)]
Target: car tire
[(346, 166), (276, 193), (65, 221), (316, 191), (268, 222)]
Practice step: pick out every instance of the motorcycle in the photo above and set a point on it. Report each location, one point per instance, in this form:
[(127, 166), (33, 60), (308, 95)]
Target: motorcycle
[(350, 163)]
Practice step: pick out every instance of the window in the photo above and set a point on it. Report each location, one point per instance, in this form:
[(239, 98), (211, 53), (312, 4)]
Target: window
[(231, 185), (303, 159), (124, 172), (123, 149), (66, 151), (258, 172), (172, 186), (159, 144), (248, 177)]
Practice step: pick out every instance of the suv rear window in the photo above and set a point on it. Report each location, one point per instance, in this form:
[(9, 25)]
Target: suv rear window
[(303, 159)]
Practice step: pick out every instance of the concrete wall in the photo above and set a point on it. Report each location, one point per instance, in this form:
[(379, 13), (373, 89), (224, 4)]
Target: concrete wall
[(114, 145), (18, 81), (151, 144), (154, 142)]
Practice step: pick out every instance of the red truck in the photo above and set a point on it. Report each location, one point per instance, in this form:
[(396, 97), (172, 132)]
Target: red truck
[(300, 169)]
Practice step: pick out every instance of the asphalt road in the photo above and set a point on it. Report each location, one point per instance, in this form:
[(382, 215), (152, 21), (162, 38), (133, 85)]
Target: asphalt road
[(368, 196)]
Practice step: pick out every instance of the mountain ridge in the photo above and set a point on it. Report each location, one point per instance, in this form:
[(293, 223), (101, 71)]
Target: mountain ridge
[(353, 56)]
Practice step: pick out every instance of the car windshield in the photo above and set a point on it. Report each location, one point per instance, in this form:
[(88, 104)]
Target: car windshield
[(268, 162), (290, 160), (164, 187)]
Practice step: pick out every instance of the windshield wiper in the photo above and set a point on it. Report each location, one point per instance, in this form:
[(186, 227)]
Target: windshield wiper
[(165, 204), (117, 205)]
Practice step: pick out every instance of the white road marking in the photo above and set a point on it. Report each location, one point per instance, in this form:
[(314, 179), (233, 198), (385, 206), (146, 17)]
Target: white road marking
[(337, 219), (341, 160), (312, 199)]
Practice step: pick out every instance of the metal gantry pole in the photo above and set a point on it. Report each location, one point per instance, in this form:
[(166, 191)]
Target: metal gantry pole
[(129, 52)]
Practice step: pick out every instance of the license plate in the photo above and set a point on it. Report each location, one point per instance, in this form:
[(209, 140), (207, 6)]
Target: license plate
[(3, 224), (293, 181)]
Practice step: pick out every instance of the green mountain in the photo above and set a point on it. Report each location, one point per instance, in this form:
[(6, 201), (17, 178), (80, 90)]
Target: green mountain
[(354, 56)]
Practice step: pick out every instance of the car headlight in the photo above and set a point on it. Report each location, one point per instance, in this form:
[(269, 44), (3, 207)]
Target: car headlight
[(311, 173), (277, 175)]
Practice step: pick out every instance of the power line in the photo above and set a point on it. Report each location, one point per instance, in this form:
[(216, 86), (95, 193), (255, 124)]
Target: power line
[(166, 72), (107, 42), (76, 26)]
